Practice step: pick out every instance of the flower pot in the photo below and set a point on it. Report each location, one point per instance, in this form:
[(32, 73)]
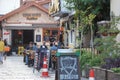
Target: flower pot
[(113, 33), (104, 34)]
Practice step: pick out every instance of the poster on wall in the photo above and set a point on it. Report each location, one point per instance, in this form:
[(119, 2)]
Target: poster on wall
[(38, 38)]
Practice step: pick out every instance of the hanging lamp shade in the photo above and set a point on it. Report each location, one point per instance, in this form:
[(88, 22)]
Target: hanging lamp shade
[(19, 32)]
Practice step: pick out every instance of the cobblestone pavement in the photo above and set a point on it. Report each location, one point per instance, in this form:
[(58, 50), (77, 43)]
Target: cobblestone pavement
[(15, 69)]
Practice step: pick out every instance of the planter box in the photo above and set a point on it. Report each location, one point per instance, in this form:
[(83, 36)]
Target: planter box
[(103, 74)]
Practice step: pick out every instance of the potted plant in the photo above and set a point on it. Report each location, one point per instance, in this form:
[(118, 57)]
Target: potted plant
[(113, 31), (103, 27)]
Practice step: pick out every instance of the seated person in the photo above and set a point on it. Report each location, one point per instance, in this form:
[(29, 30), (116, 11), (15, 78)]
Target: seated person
[(53, 47), (29, 55)]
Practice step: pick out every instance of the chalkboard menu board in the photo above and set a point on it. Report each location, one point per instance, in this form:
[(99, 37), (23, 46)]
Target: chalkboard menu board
[(68, 67)]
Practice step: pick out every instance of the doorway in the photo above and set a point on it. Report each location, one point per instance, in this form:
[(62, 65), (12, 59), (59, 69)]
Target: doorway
[(22, 37), (28, 36)]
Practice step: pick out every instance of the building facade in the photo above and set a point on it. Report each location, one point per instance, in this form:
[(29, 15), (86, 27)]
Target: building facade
[(30, 22), (65, 16), (58, 9)]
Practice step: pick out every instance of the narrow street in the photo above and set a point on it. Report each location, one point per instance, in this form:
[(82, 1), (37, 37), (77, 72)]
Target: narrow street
[(15, 69)]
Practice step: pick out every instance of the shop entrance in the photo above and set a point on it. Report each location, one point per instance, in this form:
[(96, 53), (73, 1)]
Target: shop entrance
[(22, 37)]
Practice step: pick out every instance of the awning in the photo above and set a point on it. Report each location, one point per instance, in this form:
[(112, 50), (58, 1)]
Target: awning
[(46, 25), (33, 26), (60, 14), (19, 27)]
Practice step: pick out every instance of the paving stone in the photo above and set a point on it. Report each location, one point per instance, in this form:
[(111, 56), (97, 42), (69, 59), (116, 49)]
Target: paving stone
[(15, 69)]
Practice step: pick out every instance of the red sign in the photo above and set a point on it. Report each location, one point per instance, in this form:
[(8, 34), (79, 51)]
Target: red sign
[(6, 33)]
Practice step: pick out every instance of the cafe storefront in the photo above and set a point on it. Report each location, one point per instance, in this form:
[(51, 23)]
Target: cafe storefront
[(30, 22)]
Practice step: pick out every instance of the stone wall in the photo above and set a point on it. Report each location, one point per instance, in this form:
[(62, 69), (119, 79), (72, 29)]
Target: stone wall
[(103, 74)]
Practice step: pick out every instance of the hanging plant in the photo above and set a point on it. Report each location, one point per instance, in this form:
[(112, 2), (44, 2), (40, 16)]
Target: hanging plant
[(113, 33), (104, 34)]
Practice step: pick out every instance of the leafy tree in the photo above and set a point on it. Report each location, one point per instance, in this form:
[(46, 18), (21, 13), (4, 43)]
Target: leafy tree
[(100, 8), (84, 8), (87, 13), (108, 45)]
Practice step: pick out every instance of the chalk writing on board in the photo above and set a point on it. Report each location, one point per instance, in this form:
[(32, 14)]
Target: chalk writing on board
[(68, 68)]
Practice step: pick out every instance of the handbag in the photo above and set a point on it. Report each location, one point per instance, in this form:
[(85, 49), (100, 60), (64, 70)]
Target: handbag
[(6, 48)]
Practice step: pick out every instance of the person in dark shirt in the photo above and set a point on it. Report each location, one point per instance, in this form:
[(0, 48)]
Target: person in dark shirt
[(5, 42), (43, 53), (61, 37), (60, 43), (6, 52)]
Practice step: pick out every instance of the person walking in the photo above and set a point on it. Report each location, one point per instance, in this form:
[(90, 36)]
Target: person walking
[(2, 45), (6, 49)]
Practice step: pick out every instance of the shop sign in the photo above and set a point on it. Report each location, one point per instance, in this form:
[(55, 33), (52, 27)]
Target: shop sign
[(31, 16)]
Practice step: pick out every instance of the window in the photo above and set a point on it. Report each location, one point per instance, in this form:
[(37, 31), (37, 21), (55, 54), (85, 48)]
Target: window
[(51, 34), (55, 34), (46, 35)]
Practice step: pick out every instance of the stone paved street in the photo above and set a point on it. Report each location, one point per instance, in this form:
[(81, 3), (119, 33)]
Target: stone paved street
[(15, 69)]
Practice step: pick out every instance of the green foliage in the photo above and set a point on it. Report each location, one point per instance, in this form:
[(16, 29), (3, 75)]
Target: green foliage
[(86, 59), (96, 61), (116, 70), (115, 56), (108, 45), (113, 25), (86, 19), (100, 8), (110, 27)]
